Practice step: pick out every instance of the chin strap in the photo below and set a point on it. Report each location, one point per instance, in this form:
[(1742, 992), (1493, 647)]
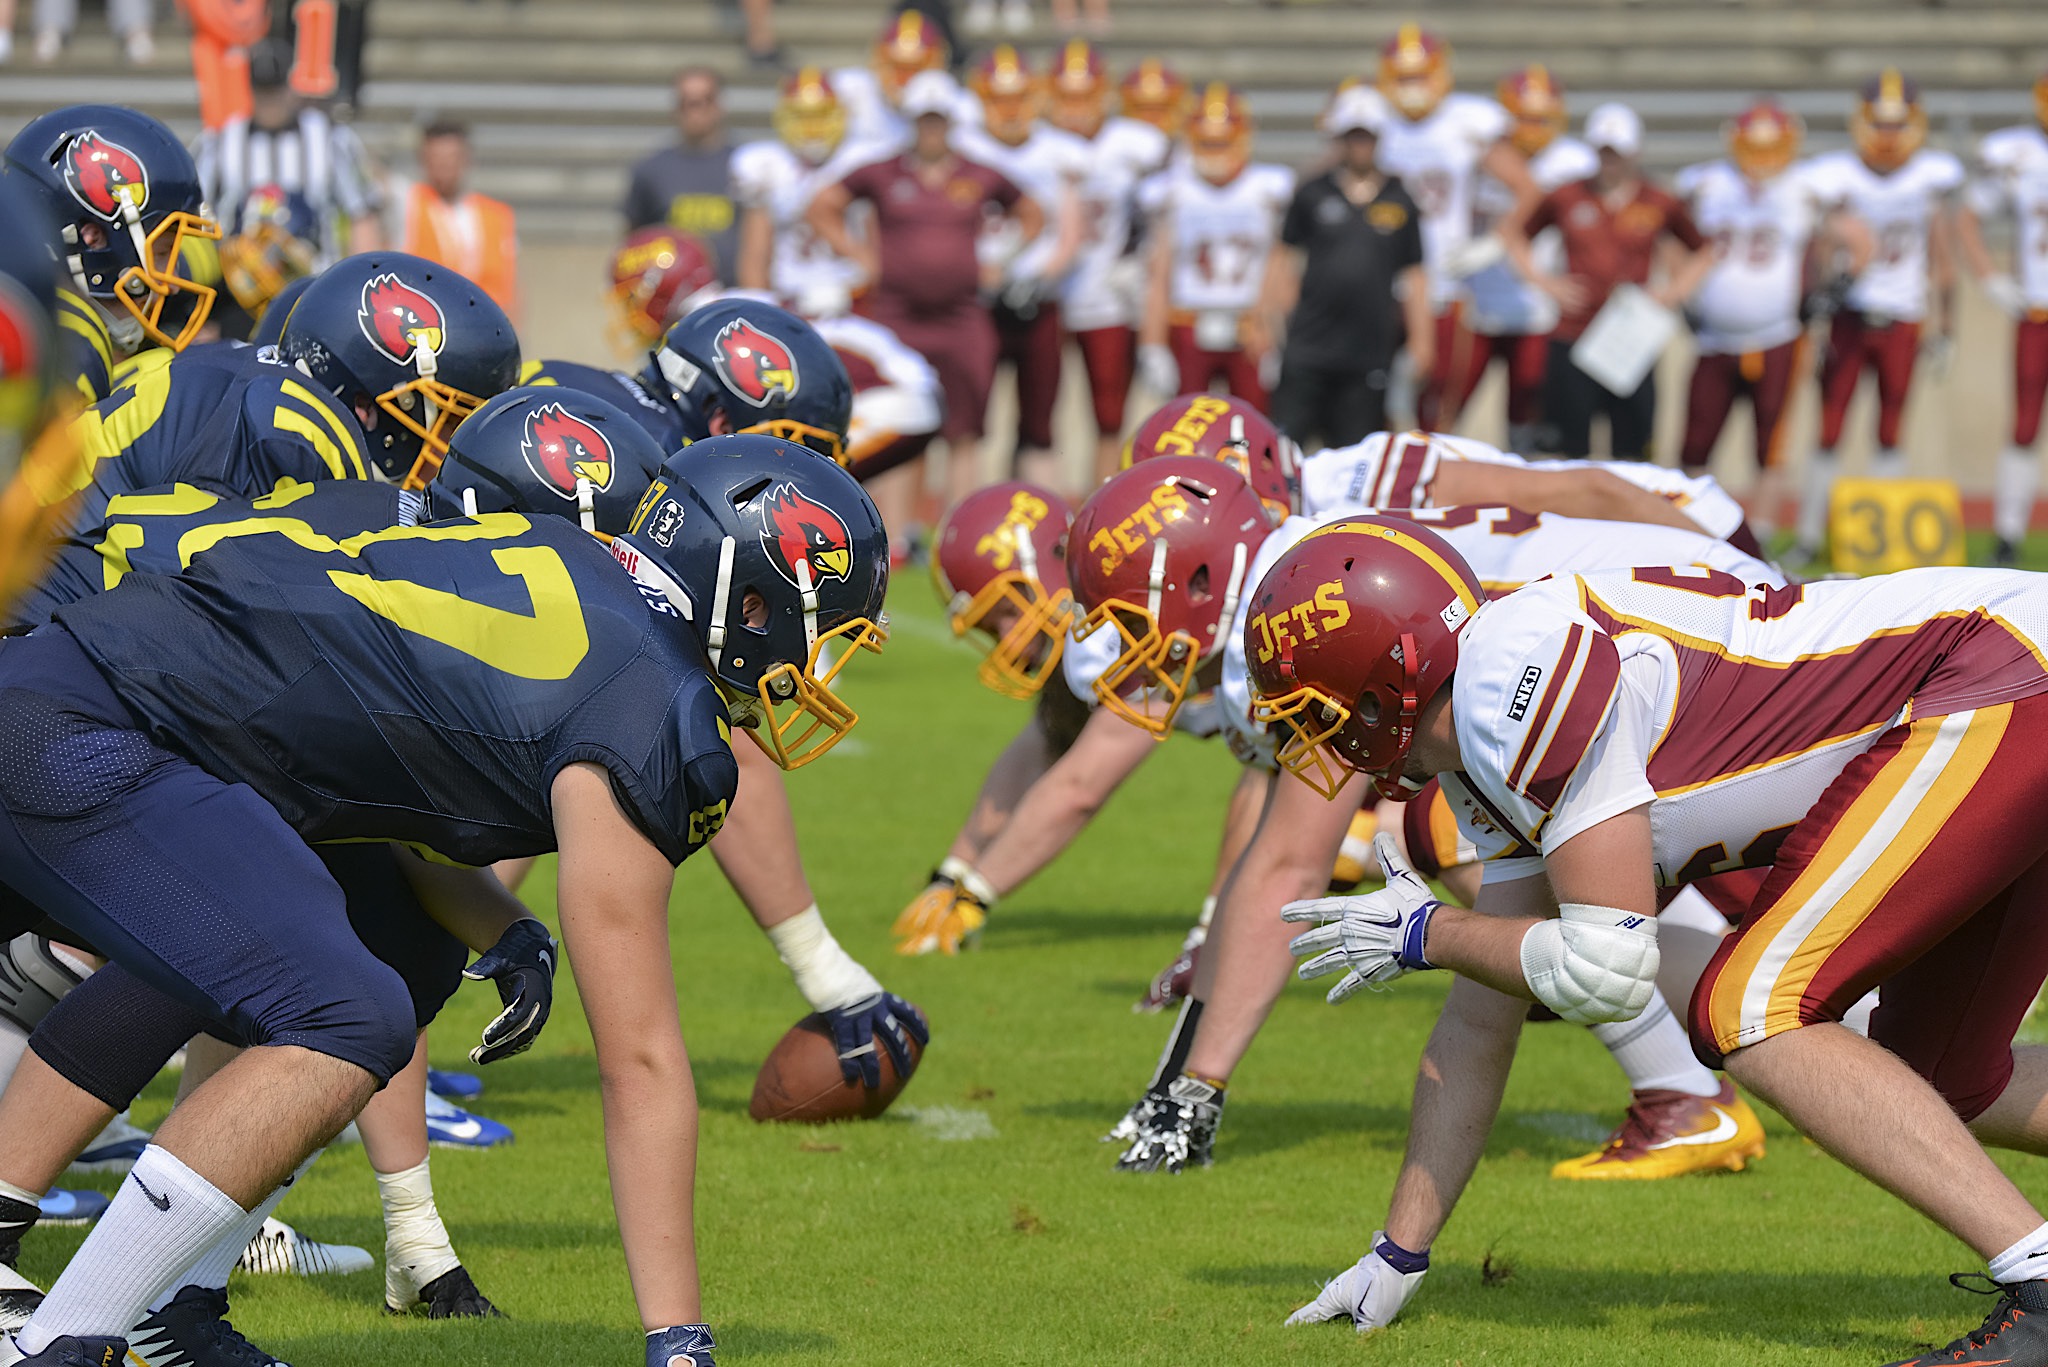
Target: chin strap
[(469, 502), (721, 599), (586, 511), (1228, 616), (1155, 582), (810, 595)]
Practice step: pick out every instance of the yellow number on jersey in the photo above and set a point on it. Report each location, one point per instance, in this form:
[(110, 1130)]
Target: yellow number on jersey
[(548, 644), (104, 431)]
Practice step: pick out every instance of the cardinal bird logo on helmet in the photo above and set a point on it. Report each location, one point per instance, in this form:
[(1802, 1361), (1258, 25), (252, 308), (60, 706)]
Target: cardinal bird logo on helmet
[(103, 175), (562, 448), (797, 530), (754, 365), (399, 320)]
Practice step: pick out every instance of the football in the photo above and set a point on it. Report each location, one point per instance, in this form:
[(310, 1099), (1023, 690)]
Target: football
[(800, 1082)]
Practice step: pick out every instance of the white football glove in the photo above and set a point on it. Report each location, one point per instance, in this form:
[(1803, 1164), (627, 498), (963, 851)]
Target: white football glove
[(2004, 291), (1369, 1294), (1157, 370), (1378, 937), (1937, 352)]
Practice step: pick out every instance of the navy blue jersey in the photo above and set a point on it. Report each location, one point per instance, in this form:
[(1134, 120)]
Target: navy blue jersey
[(423, 684), (663, 421), (159, 531), (217, 416), (88, 350)]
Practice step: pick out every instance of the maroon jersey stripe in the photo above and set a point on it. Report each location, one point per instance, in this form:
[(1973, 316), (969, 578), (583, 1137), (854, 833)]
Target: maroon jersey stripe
[(1584, 710), (1558, 673)]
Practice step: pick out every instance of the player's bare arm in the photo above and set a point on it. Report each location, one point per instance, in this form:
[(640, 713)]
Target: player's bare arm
[(1574, 493), (1062, 803)]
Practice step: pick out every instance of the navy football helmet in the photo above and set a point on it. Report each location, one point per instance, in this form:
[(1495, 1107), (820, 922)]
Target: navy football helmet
[(124, 196), (777, 558), (271, 326), (419, 342), (739, 365), (542, 449), (276, 241)]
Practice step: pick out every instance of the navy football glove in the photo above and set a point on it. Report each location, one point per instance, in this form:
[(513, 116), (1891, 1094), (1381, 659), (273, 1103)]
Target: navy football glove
[(884, 1016), (681, 1345), (523, 965)]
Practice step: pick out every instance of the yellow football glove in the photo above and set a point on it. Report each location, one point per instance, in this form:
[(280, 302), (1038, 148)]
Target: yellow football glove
[(916, 930)]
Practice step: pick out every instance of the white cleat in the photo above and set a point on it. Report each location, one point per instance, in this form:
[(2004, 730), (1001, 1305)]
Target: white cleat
[(280, 1250), (116, 1148)]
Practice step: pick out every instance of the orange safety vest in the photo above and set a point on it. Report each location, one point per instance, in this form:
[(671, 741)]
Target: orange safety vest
[(475, 235)]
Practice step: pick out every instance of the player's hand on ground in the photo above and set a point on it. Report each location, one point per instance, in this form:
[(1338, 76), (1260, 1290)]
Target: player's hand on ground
[(1178, 1131), (1377, 937), (917, 925), (681, 1345), (1177, 978), (522, 964), (885, 1017), (962, 924), (1369, 1293)]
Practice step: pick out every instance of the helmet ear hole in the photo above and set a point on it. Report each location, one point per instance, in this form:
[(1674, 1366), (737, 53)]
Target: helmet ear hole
[(748, 492), (1367, 712), (1198, 585), (754, 609)]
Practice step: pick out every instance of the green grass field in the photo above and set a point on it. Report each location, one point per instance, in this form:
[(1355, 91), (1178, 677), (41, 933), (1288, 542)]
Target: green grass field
[(893, 1243)]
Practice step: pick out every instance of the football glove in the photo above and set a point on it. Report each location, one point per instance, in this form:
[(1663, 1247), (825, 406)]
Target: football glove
[(1180, 1131), (522, 963), (2004, 291), (1177, 979), (1377, 937), (884, 1016), (681, 1345), (1157, 370), (1125, 1130), (1937, 352), (1369, 1293), (949, 914)]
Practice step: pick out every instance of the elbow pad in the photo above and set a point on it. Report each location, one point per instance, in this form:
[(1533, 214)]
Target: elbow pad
[(1592, 965)]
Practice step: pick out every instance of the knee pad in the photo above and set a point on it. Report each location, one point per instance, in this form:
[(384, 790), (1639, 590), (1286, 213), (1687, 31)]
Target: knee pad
[(33, 979), (1592, 964), (113, 1034)]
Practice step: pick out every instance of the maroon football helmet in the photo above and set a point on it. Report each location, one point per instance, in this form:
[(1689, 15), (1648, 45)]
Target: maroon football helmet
[(1226, 429), (999, 562)]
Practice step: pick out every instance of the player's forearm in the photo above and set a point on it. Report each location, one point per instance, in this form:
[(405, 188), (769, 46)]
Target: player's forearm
[(1045, 823), (1601, 495), (1485, 948), (1023, 762), (1458, 1089), (473, 905), (756, 847), (650, 1140), (1240, 822)]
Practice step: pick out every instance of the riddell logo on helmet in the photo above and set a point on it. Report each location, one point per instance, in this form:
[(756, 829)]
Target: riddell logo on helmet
[(799, 531), (562, 448), (399, 320), (1027, 512), (757, 367), (1192, 425), (103, 175)]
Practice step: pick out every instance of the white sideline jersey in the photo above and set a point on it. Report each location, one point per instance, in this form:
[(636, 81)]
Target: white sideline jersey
[(1898, 209), (1437, 158), (1119, 157), (1750, 299), (766, 175), (1727, 707), (1396, 470), (2012, 175), (1222, 234), (1506, 548), (895, 391), (1047, 165), (1503, 303)]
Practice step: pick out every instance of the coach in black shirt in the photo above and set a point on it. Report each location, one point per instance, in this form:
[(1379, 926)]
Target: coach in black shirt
[(1353, 261)]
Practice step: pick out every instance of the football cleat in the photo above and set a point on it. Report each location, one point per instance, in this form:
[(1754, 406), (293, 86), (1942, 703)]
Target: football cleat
[(280, 1250), (1177, 979), (454, 1086), (1180, 1133), (193, 1331), (19, 1298), (67, 1207), (65, 1352), (116, 1148), (2016, 1330), (451, 1127), (1669, 1134), (450, 1296)]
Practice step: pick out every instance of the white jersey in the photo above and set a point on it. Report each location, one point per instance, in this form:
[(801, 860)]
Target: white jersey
[(895, 391), (1728, 708), (1120, 155), (2012, 175), (1397, 470), (1437, 158), (1503, 303), (1047, 165), (1506, 548), (1750, 300), (1222, 234), (766, 175), (1898, 209)]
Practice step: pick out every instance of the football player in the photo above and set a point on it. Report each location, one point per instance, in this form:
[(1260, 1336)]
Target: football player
[(1853, 735), (1047, 163), (1765, 226), (1151, 92), (897, 400), (1100, 302), (2012, 175), (1511, 318), (277, 242), (124, 196), (658, 275), (909, 43), (1213, 221), (1438, 142), (328, 1014), (774, 180), (1902, 191)]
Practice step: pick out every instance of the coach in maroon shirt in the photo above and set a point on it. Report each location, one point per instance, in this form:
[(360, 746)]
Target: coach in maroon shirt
[(931, 206), (1611, 224)]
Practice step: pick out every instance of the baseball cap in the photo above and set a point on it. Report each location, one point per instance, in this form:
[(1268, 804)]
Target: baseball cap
[(930, 92), (1359, 109), (1615, 127)]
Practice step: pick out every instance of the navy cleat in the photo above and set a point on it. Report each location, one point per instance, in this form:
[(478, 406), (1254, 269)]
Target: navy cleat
[(681, 1345), (2015, 1332), (116, 1148), (450, 1296), (65, 1352), (193, 1331)]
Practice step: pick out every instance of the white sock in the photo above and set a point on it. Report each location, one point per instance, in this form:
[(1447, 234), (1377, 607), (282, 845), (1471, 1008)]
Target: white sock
[(211, 1268), (2012, 506), (2025, 1261), (1655, 1053), (1813, 501), (415, 1241), (165, 1216), (1888, 463)]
